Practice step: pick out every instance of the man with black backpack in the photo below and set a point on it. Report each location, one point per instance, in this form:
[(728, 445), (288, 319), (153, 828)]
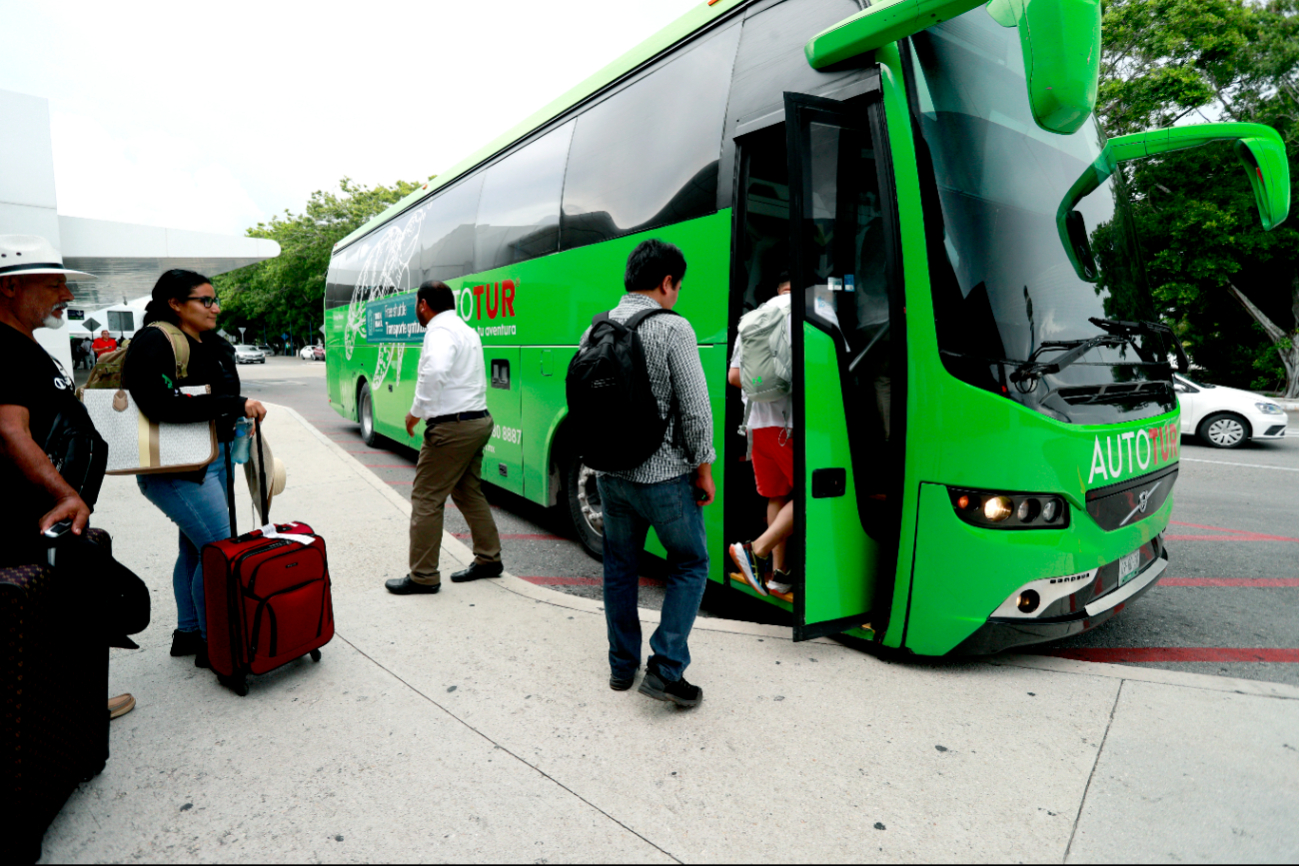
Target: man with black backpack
[(638, 403)]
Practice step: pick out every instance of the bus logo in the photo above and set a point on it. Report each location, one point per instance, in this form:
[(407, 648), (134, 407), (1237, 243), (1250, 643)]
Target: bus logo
[(1133, 451), (1143, 504)]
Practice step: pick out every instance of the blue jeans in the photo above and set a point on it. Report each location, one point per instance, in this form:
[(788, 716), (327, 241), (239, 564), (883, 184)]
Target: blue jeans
[(630, 509), (201, 512)]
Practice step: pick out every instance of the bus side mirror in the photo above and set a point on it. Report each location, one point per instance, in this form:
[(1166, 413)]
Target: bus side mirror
[(1060, 41), (1258, 147)]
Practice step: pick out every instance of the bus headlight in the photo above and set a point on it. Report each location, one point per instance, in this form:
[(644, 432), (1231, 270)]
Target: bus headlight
[(993, 509), (997, 508)]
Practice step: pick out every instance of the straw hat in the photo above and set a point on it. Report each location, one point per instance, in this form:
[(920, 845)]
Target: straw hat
[(29, 255), (276, 476)]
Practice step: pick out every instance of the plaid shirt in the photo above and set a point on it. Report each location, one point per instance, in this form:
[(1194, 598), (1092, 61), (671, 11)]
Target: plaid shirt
[(672, 354)]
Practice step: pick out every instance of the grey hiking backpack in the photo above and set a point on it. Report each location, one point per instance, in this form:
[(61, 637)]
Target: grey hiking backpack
[(766, 357)]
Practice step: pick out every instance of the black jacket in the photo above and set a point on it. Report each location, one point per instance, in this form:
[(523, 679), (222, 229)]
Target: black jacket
[(150, 375)]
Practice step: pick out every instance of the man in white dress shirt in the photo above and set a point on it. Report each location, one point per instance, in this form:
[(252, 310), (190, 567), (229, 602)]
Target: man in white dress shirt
[(451, 400)]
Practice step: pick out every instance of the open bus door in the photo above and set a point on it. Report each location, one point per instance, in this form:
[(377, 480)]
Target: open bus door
[(849, 364)]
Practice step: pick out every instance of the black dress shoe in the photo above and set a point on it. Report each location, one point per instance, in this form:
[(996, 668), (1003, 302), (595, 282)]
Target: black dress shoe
[(477, 570), (406, 586), (621, 684)]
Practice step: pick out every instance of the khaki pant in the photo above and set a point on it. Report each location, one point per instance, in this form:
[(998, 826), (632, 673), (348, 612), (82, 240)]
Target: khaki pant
[(450, 464)]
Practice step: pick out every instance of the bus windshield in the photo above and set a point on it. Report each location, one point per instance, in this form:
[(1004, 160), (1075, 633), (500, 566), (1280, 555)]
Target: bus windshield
[(1005, 290)]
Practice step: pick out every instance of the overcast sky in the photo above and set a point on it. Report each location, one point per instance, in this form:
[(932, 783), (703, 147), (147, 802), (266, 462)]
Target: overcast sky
[(214, 116)]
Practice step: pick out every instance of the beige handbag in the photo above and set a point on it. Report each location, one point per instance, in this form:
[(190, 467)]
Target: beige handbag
[(138, 446)]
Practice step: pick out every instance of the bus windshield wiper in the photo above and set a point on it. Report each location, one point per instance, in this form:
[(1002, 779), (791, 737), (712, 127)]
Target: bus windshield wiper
[(1124, 328), (1073, 350)]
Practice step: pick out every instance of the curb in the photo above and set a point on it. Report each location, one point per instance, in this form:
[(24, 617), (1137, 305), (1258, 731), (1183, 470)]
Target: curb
[(540, 594)]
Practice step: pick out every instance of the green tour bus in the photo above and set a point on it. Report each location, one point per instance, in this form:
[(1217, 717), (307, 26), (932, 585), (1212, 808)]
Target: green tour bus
[(985, 426)]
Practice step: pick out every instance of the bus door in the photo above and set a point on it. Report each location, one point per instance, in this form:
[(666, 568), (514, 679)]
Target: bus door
[(849, 364)]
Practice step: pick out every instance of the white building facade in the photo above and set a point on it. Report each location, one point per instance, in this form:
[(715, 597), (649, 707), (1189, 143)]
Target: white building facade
[(126, 258)]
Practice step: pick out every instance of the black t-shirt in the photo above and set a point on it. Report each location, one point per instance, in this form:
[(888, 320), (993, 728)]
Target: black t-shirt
[(43, 387)]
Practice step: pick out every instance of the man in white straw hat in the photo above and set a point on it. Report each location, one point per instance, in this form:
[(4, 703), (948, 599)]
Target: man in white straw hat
[(34, 294)]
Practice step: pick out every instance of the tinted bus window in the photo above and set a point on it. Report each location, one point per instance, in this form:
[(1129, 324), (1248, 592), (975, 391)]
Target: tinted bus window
[(518, 214), (648, 155), (447, 236)]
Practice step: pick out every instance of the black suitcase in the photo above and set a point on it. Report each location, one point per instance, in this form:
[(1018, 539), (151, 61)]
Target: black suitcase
[(54, 687)]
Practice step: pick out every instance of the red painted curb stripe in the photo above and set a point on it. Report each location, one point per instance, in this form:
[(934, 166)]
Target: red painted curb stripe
[(1251, 537), (1268, 582), (1233, 534), (1175, 654), (582, 581), (516, 536)]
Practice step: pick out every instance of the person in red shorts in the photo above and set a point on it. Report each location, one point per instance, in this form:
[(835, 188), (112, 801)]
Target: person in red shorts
[(762, 561)]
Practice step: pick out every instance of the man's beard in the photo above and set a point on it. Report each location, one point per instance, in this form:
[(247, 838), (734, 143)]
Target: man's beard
[(52, 321)]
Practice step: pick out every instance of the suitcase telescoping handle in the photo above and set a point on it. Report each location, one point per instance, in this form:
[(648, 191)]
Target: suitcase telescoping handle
[(230, 488), (261, 482), (261, 475)]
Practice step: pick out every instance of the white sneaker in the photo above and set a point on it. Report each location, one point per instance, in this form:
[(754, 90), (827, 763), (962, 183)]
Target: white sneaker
[(742, 554), (777, 588)]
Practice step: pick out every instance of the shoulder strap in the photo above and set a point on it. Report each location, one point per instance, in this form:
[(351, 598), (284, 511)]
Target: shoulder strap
[(179, 346), (634, 322)]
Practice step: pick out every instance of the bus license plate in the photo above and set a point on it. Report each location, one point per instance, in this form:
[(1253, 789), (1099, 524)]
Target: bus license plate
[(1129, 565)]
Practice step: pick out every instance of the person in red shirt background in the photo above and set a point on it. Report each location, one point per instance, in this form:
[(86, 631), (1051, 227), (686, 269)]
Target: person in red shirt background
[(104, 345)]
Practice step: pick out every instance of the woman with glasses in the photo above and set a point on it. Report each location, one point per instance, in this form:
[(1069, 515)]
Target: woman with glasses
[(195, 501)]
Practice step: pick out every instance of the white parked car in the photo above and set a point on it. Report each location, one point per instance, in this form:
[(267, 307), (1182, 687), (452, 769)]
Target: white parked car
[(1227, 417), (246, 354)]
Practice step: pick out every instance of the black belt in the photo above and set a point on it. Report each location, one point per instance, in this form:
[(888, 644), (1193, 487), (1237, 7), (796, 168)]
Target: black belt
[(458, 416)]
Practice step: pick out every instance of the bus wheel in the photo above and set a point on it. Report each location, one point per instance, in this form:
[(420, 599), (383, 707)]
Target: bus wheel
[(584, 508), (1224, 430), (365, 414)]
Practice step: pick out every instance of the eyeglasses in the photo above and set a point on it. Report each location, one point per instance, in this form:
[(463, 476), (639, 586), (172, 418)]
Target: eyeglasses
[(206, 300)]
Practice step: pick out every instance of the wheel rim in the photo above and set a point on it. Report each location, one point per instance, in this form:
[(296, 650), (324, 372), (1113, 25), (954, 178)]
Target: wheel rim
[(1226, 431), (588, 499), (367, 423)]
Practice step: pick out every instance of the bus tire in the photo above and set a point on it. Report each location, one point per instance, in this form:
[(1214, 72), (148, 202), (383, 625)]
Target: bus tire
[(584, 510), (1224, 430), (365, 415)]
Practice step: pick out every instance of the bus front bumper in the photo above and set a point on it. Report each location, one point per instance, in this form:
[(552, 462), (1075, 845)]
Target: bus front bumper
[(1001, 633)]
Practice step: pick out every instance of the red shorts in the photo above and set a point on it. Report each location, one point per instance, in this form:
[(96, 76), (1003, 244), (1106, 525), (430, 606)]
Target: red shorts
[(773, 461)]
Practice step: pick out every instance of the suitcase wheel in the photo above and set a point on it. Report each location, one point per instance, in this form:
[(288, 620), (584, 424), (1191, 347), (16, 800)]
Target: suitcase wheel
[(237, 684), (315, 655)]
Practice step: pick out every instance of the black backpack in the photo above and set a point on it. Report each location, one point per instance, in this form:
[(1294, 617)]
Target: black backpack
[(612, 409)]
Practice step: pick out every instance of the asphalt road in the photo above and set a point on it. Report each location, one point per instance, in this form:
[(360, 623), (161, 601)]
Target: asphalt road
[(1228, 604)]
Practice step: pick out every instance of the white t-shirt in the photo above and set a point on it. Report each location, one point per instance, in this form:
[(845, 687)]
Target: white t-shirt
[(777, 413)]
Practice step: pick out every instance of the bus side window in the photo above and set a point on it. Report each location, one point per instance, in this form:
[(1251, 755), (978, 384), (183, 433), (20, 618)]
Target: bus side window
[(447, 236), (518, 212), (647, 156)]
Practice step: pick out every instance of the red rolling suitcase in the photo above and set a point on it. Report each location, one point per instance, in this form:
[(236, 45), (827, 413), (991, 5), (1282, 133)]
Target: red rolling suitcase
[(268, 596)]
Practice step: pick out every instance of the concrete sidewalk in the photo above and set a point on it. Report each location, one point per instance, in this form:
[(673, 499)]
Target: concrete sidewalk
[(477, 724)]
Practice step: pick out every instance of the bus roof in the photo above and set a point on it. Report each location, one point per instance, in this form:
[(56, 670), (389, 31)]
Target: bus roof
[(706, 12)]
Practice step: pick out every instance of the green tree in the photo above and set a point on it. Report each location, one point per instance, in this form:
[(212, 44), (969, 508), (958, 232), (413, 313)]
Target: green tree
[(1232, 288), (286, 294)]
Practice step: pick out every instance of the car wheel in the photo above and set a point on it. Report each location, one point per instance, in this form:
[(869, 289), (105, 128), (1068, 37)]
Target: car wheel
[(1224, 430), (365, 414), (585, 510)]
